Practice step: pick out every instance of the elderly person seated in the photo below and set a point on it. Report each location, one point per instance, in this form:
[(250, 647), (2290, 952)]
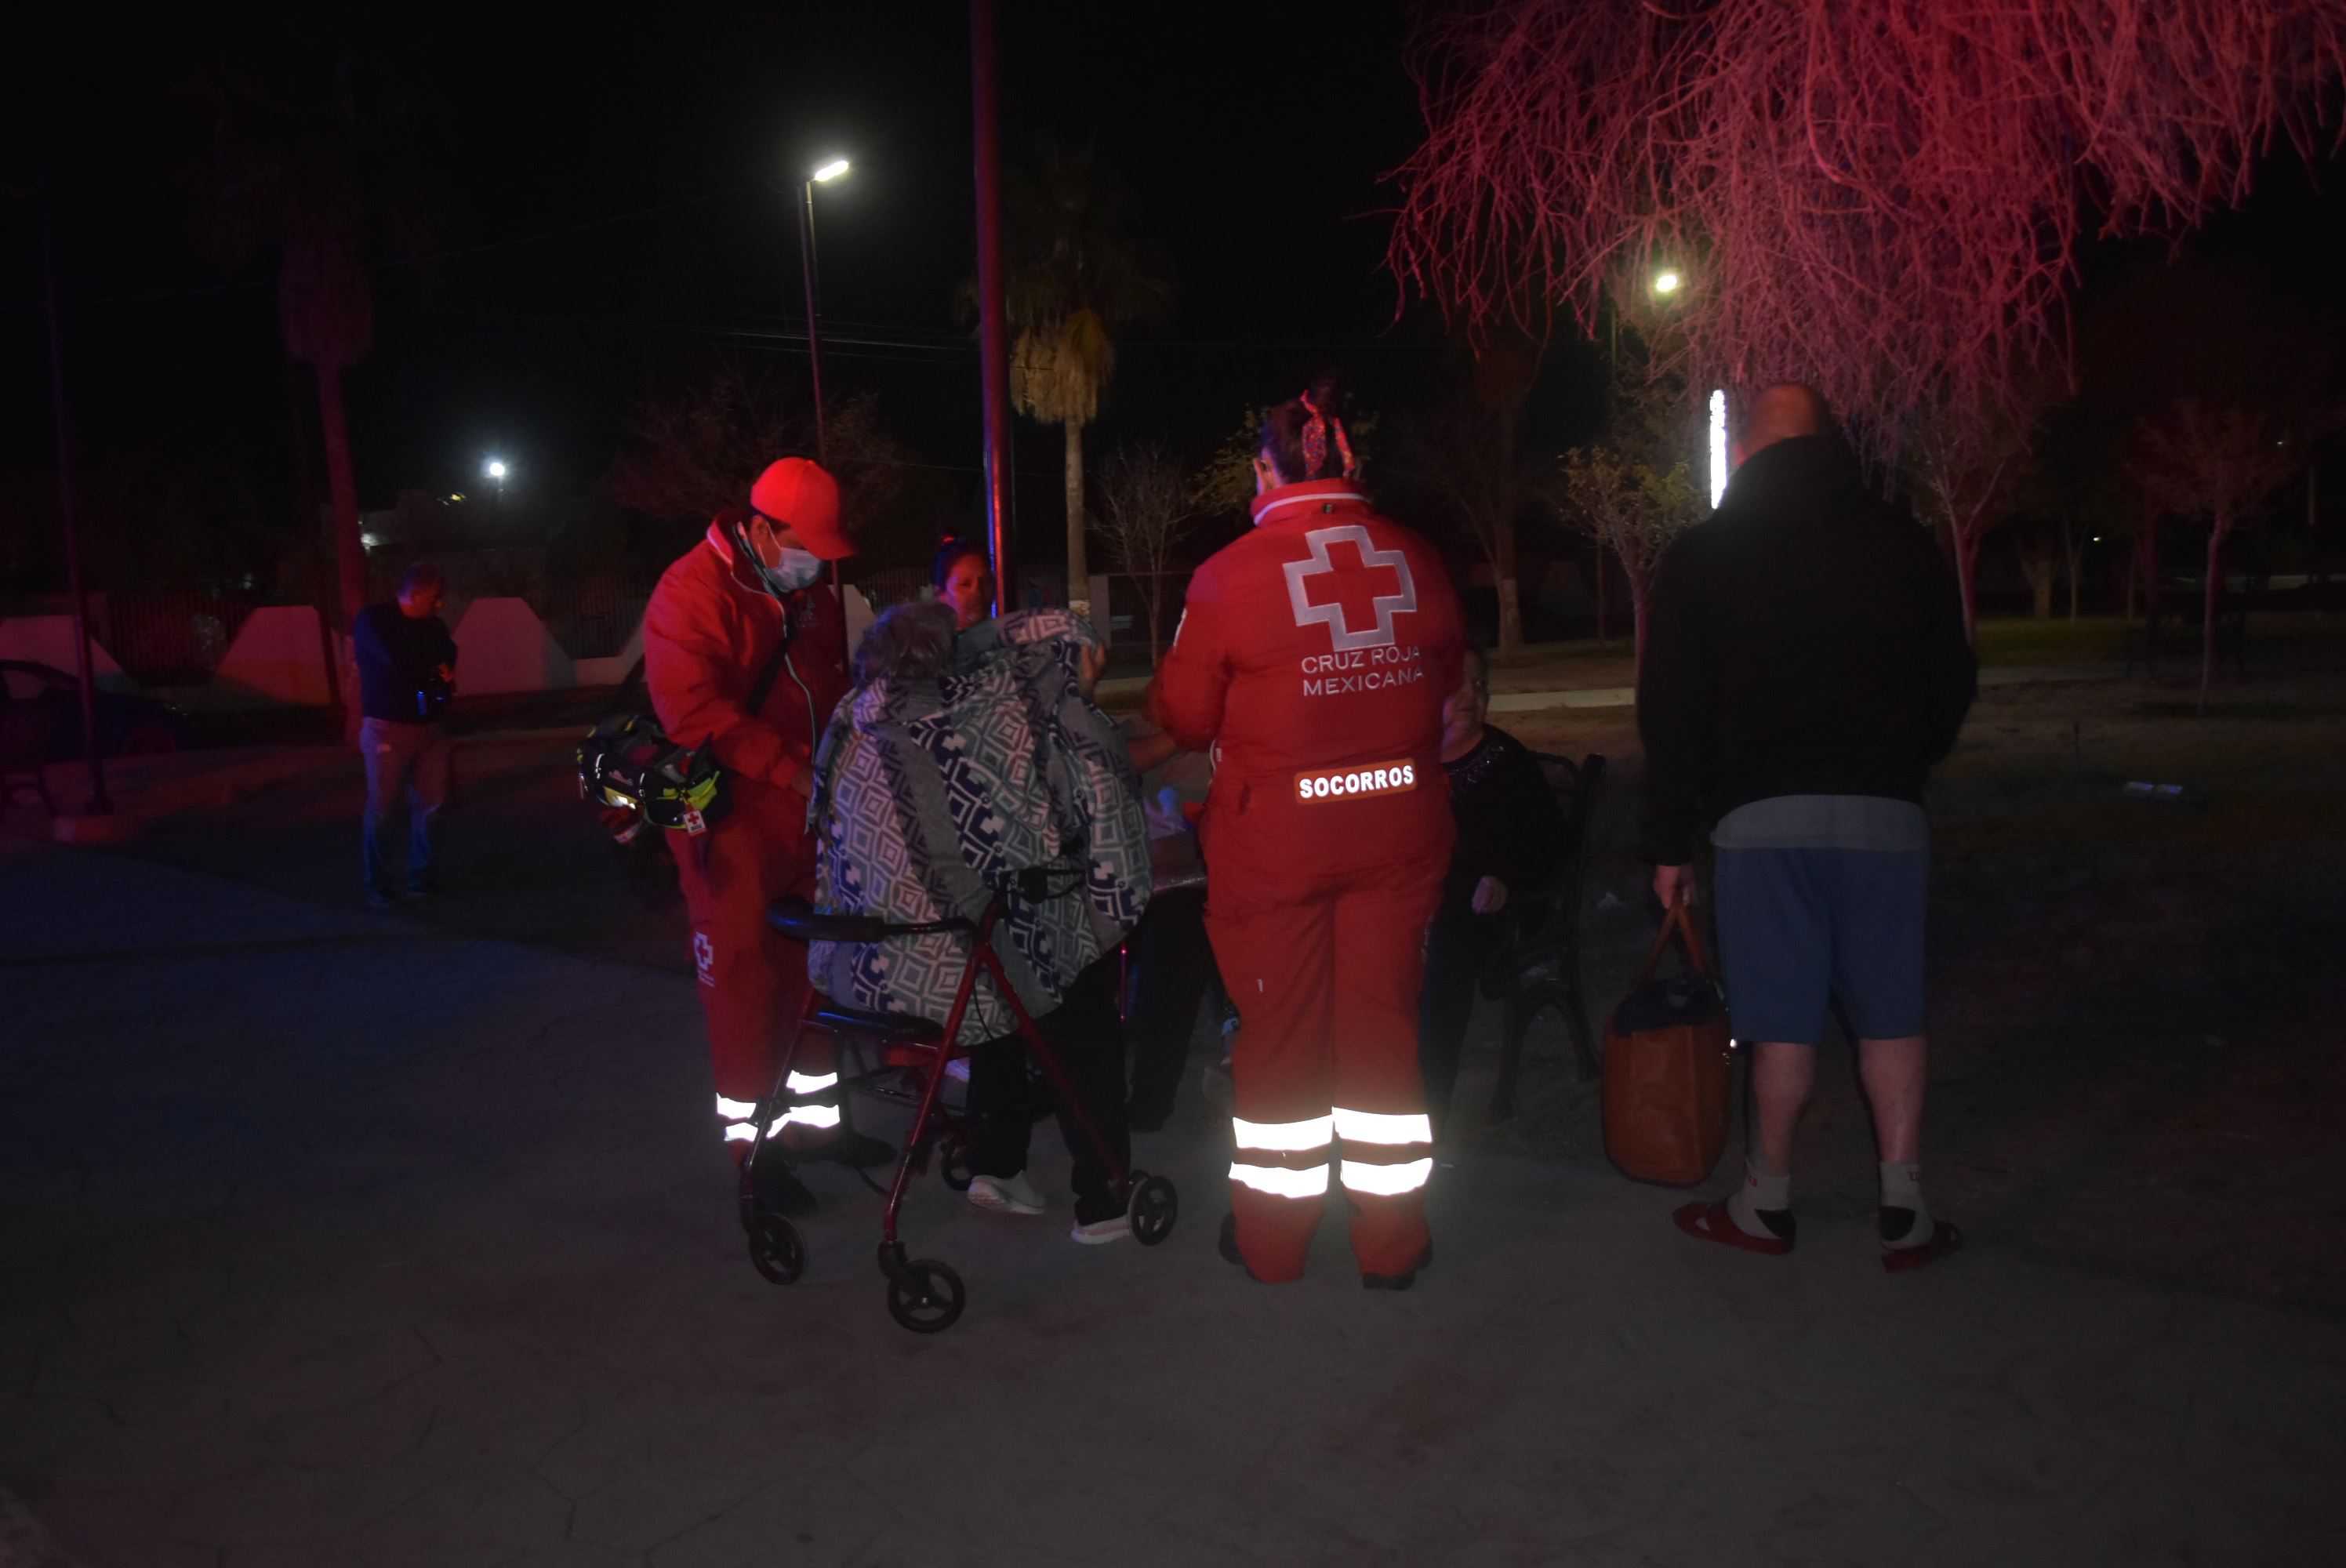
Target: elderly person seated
[(1510, 836), (961, 759)]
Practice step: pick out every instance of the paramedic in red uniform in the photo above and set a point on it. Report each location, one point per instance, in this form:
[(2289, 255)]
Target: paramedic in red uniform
[(749, 605), (1314, 656)]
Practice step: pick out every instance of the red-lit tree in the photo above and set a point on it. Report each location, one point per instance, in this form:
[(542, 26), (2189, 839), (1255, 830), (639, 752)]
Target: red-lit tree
[(1635, 492), (2219, 462), (1885, 200), (1145, 511), (1967, 458)]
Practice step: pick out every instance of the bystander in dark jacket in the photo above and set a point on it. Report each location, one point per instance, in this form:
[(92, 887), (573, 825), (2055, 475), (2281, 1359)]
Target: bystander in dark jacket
[(1806, 641), (407, 673)]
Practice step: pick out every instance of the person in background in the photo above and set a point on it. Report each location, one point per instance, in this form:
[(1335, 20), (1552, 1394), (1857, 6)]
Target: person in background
[(407, 673), (964, 581), (1510, 832), (973, 756), (1807, 669)]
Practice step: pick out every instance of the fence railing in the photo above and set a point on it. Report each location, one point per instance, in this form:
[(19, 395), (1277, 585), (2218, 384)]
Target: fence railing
[(168, 638)]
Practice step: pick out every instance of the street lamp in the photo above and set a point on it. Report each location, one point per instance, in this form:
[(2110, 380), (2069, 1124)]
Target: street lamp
[(495, 469), (1667, 281), (822, 175)]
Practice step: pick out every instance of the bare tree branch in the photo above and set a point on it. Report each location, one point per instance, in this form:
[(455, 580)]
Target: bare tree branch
[(1884, 199)]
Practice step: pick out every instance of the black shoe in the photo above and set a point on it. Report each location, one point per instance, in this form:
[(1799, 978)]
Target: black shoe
[(1402, 1280), (850, 1148), (381, 903), (778, 1190)]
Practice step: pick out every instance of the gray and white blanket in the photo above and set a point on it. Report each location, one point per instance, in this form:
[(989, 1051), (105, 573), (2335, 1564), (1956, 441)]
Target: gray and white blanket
[(930, 794)]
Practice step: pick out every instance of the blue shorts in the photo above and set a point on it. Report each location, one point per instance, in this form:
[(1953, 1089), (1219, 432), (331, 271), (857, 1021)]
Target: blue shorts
[(1799, 928)]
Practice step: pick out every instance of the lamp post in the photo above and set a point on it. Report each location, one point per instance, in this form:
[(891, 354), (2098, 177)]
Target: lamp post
[(993, 332), (494, 469), (823, 174)]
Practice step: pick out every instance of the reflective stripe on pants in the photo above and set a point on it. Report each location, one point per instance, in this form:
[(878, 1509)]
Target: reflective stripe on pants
[(1327, 1051)]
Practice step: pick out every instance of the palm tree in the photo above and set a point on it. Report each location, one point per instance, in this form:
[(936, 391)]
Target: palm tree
[(1076, 276)]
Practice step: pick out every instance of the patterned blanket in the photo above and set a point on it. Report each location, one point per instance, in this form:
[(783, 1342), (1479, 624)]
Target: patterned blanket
[(928, 794)]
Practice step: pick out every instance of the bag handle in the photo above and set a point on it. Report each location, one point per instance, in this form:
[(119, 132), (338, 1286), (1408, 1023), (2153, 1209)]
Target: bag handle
[(1678, 922)]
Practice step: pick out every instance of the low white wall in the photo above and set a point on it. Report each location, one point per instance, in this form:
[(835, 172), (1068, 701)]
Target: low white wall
[(503, 646), (278, 656), (49, 640)]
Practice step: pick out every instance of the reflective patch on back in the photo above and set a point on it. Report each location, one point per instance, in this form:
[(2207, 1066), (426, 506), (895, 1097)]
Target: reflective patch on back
[(1318, 785)]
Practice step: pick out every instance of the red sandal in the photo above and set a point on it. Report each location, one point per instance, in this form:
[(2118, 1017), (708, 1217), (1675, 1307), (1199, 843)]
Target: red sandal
[(1945, 1240), (1712, 1222)]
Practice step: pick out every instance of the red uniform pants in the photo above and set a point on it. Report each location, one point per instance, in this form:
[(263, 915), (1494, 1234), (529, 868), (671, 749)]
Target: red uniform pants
[(753, 980), (1326, 1064)]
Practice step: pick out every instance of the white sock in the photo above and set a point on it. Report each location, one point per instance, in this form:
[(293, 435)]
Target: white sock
[(1760, 1194), (1905, 1221)]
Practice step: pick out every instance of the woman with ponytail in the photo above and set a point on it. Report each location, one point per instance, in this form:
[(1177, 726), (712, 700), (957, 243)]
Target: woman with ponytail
[(1313, 656)]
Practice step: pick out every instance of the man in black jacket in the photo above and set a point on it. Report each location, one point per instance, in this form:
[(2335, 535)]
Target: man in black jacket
[(1807, 669), (407, 670)]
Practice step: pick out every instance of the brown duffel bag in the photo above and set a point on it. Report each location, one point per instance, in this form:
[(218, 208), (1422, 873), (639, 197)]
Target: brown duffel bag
[(1666, 1071)]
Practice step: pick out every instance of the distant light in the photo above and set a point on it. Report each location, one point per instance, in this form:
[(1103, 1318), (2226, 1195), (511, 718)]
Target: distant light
[(495, 469), (830, 171), (1718, 448), (2097, 538), (1666, 282), (371, 541)]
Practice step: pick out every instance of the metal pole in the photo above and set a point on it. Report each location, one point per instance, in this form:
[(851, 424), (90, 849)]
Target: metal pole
[(99, 804), (993, 335), (814, 337), (814, 368)]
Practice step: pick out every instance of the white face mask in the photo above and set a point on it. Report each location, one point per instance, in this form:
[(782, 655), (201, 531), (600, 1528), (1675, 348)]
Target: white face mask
[(798, 569)]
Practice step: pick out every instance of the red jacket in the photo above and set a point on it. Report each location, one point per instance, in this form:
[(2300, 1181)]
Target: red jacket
[(1314, 656), (709, 633)]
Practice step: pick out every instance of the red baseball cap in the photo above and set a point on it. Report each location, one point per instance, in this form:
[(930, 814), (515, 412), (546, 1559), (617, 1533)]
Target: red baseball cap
[(799, 493)]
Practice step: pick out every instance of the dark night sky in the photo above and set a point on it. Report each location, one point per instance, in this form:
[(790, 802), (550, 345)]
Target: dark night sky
[(617, 217), (618, 214)]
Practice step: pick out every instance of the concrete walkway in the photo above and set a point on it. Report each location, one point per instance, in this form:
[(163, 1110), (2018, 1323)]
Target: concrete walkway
[(330, 1240), (1604, 683)]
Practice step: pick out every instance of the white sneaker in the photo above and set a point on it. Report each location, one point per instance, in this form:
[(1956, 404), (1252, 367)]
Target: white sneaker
[(1005, 1194), (1100, 1232)]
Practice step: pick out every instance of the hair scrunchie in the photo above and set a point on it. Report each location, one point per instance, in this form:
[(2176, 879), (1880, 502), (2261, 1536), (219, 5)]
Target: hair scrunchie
[(1315, 442)]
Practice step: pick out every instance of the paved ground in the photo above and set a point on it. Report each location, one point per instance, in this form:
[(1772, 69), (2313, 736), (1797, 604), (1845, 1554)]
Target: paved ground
[(338, 1239)]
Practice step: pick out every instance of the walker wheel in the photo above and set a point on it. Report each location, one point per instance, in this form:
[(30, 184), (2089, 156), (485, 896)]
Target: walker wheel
[(926, 1297), (1154, 1206), (775, 1249), (953, 1164)]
